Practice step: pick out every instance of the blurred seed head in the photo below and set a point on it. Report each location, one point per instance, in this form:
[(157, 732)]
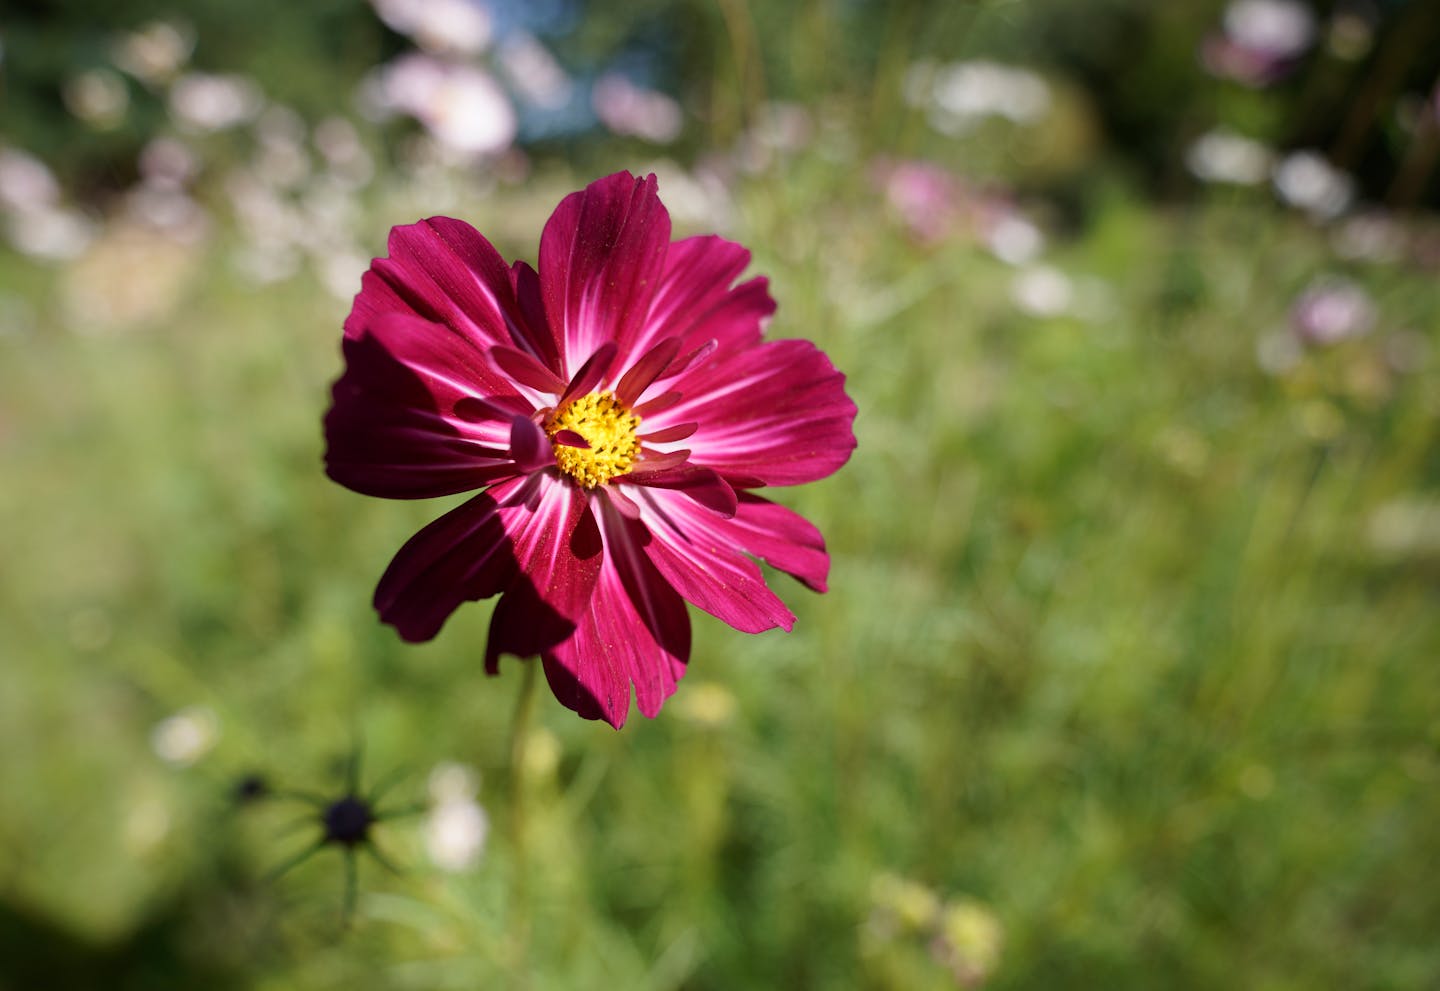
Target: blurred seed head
[(1351, 34), (968, 941), (708, 704), (903, 905)]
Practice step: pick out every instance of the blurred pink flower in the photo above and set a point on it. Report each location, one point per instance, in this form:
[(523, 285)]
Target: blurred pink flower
[(1330, 311), (565, 394), (1261, 42), (926, 198), (634, 111), (462, 107)]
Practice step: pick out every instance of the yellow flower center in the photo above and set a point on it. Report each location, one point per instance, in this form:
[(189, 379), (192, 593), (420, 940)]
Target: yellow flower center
[(607, 426)]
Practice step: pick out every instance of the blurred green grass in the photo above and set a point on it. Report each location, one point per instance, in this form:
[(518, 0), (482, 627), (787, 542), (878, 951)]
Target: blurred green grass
[(1110, 645)]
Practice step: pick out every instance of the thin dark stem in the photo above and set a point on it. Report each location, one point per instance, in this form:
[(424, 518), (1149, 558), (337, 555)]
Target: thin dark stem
[(298, 859)]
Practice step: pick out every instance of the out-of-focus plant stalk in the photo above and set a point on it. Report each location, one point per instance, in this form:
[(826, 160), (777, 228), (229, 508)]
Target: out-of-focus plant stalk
[(520, 866)]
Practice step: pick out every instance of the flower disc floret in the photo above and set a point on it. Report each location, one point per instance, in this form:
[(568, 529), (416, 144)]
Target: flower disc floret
[(607, 426)]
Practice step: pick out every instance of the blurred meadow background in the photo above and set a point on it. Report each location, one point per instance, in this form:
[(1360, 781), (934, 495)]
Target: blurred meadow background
[(1127, 677)]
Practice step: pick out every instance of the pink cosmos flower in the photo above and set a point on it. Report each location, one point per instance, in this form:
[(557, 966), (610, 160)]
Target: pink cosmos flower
[(617, 408)]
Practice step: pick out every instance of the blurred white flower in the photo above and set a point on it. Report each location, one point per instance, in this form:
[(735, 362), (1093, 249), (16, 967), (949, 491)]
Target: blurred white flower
[(1013, 238), (783, 126), (185, 737), (1406, 527), (460, 105), (97, 97), (1223, 156), (282, 159), (961, 95), (1280, 29), (1407, 351), (1305, 180), (455, 833), (168, 163), (444, 26), (1278, 352), (452, 781), (170, 210), (204, 102), (50, 233), (1042, 291), (1373, 236), (1331, 310), (26, 183), (339, 145), (156, 52), (635, 111), (533, 71), (456, 826), (340, 272)]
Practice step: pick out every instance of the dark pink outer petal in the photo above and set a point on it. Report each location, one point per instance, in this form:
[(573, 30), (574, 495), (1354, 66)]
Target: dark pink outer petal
[(526, 536), (601, 257), (773, 414), (780, 537), (405, 422), (696, 302), (689, 545), (446, 271), (634, 631)]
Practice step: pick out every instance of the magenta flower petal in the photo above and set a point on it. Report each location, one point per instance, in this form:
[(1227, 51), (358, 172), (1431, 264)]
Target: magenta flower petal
[(444, 270), (601, 256), (772, 414), (634, 631), (689, 545), (780, 537), (530, 537), (394, 429), (463, 555), (566, 394), (696, 300), (557, 546)]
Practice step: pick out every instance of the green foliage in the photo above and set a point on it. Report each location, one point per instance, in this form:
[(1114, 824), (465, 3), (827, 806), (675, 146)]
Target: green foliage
[(1126, 674), (1111, 647)]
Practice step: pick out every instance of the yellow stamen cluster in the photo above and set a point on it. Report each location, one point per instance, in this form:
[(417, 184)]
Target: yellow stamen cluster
[(610, 429)]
